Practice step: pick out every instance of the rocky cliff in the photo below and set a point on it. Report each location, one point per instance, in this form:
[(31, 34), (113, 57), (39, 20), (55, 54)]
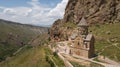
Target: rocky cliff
[(95, 11)]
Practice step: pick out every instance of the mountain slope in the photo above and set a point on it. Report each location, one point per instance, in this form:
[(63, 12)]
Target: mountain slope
[(107, 40), (14, 35)]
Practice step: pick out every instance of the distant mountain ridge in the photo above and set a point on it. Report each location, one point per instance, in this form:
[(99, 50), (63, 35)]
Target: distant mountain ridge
[(17, 23)]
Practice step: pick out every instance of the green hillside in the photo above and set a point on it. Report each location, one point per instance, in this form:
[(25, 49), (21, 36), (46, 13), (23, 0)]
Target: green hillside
[(28, 57), (107, 40), (15, 35), (39, 56)]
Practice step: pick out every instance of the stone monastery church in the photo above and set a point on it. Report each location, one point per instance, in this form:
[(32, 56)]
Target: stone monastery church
[(79, 43)]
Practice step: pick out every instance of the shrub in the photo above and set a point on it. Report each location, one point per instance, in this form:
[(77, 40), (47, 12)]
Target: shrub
[(70, 25), (55, 54)]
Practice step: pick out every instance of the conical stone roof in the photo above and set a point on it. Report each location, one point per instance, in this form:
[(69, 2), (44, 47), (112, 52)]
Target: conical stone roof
[(82, 22)]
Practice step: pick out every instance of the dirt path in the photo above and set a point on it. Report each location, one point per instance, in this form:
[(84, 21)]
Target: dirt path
[(53, 61), (107, 60), (81, 59), (72, 58), (78, 59), (66, 62)]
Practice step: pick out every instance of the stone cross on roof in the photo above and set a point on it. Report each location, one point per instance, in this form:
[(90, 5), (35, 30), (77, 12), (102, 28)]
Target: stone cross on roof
[(82, 22)]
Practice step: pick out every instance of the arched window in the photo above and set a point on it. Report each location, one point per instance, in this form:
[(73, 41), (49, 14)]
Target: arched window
[(78, 43), (86, 45)]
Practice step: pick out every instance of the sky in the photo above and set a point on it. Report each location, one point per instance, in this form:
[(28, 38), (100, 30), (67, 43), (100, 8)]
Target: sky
[(35, 12)]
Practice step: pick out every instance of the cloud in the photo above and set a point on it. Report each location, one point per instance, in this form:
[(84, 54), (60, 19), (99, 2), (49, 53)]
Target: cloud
[(22, 11), (37, 14), (59, 9)]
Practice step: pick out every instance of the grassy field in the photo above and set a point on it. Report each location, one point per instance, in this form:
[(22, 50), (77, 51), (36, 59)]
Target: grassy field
[(107, 40), (33, 57), (28, 57)]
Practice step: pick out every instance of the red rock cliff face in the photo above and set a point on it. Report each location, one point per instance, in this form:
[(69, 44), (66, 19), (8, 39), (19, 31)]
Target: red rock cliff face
[(95, 11)]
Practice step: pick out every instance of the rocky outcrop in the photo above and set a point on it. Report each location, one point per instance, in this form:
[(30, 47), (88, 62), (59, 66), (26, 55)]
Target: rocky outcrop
[(94, 11)]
